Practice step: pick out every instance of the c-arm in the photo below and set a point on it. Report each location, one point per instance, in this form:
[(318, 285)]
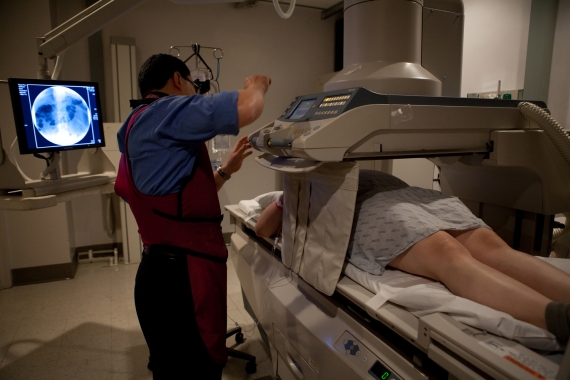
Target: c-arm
[(80, 26)]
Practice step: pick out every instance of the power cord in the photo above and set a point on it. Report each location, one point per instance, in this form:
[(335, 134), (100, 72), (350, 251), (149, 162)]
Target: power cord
[(37, 155)]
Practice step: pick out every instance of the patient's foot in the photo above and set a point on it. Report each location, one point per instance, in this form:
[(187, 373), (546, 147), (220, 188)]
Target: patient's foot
[(558, 321)]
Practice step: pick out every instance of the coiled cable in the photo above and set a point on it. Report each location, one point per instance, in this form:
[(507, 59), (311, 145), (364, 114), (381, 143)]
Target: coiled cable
[(551, 127), (561, 140)]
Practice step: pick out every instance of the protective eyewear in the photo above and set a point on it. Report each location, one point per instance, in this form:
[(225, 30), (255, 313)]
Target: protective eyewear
[(197, 87)]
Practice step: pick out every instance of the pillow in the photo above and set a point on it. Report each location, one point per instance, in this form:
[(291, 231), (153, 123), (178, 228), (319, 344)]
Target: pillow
[(266, 199), (250, 208)]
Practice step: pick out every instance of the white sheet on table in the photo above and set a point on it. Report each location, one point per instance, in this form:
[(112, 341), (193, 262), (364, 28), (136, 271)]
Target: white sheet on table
[(250, 208), (422, 296), (253, 207)]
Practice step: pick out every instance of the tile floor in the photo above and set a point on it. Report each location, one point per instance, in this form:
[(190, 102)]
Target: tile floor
[(87, 328)]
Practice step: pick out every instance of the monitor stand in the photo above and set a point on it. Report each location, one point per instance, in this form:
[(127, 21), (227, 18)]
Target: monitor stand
[(52, 171), (94, 168), (66, 183)]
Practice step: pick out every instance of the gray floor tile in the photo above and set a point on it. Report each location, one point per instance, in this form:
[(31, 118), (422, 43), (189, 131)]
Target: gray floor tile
[(87, 328)]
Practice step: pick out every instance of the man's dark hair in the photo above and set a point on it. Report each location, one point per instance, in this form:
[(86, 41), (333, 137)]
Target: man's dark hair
[(157, 70)]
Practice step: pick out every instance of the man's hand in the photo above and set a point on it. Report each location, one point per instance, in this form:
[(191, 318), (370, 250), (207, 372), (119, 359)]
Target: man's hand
[(251, 99), (261, 81), (240, 151)]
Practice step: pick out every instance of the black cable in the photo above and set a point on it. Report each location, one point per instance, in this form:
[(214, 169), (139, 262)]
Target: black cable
[(218, 75), (37, 155)]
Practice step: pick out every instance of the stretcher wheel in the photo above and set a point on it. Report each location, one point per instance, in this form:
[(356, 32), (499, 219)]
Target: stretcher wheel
[(239, 338), (251, 367)]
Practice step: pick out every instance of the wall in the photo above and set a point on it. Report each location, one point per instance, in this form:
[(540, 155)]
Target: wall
[(495, 44)]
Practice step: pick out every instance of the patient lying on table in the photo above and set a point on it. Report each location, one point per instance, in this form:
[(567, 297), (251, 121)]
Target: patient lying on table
[(426, 233)]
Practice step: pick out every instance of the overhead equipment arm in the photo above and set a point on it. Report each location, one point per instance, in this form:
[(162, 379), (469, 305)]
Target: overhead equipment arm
[(80, 26)]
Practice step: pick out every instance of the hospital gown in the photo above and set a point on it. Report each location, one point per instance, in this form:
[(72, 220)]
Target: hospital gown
[(391, 216)]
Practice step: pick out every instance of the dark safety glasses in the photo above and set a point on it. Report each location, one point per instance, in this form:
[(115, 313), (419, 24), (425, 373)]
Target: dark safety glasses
[(197, 87)]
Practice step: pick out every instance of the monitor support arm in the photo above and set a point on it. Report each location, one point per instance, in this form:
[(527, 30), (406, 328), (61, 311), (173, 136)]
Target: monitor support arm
[(80, 26), (52, 171)]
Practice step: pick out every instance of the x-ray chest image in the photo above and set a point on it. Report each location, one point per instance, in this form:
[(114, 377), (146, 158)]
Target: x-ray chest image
[(61, 115)]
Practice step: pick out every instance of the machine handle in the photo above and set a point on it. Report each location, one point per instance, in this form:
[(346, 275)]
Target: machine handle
[(294, 367), (279, 143)]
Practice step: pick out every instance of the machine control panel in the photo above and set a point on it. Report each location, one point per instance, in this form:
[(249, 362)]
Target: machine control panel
[(363, 358), (329, 104)]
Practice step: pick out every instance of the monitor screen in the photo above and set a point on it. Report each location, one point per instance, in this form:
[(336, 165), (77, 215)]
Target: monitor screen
[(54, 115), (302, 109)]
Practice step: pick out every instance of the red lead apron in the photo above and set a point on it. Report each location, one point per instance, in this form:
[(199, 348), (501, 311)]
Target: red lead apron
[(189, 220)]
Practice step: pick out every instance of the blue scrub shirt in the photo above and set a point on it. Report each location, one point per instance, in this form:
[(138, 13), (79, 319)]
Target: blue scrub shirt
[(165, 139)]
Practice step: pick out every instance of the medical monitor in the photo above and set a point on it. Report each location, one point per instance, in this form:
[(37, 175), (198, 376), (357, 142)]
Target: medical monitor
[(55, 115), (303, 107)]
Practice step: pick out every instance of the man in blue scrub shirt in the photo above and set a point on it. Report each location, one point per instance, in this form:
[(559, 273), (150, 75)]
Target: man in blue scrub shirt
[(166, 177)]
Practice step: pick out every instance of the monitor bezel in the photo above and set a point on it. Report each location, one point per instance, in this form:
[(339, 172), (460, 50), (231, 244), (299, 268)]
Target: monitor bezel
[(18, 113)]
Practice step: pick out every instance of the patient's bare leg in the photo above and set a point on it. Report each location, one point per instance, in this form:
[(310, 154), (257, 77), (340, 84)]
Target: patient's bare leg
[(443, 258), (487, 247)]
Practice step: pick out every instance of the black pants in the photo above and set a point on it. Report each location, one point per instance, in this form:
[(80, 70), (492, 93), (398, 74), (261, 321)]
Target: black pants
[(165, 310)]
